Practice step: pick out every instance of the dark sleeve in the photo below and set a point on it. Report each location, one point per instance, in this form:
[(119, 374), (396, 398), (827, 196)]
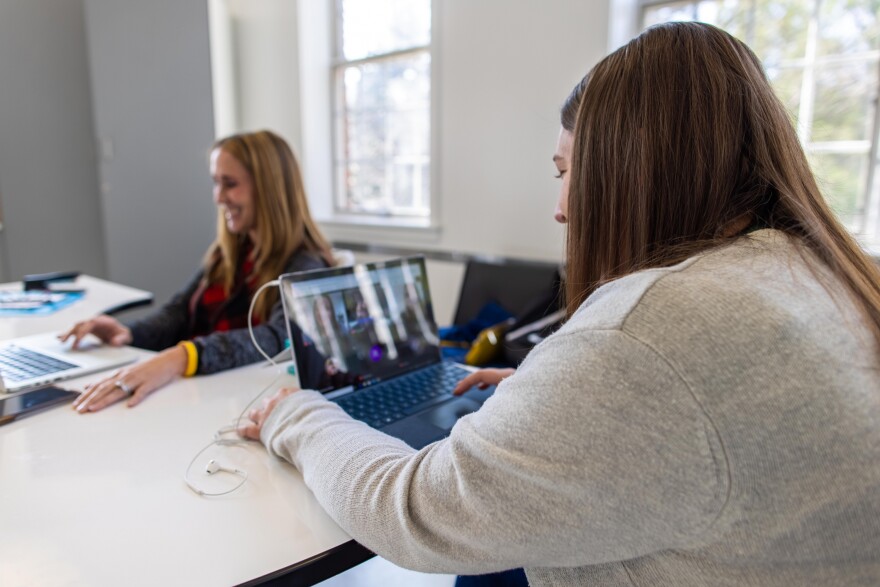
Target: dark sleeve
[(169, 324), (226, 350)]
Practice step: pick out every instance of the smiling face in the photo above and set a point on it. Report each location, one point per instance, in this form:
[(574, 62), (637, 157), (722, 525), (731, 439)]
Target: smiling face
[(562, 160), (234, 193)]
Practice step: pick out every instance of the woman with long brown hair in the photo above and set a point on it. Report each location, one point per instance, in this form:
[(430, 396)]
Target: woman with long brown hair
[(710, 412), (264, 229)]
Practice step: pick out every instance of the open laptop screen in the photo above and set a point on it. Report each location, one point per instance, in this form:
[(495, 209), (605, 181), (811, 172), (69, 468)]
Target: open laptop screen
[(355, 326)]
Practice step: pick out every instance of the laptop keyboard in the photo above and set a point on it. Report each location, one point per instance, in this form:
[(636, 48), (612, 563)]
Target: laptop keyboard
[(387, 402), (18, 364)]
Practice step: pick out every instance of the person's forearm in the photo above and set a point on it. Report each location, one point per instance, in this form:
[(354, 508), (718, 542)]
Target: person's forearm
[(168, 325), (177, 360), (227, 350), (363, 479), (159, 330)]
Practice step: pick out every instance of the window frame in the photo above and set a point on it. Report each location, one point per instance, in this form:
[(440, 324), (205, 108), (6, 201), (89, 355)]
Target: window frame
[(337, 107)]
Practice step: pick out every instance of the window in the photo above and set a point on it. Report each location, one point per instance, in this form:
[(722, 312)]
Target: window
[(823, 59), (382, 115)]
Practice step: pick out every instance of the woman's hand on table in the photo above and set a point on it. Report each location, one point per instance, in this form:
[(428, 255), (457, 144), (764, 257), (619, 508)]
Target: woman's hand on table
[(135, 382), (108, 329), (257, 416)]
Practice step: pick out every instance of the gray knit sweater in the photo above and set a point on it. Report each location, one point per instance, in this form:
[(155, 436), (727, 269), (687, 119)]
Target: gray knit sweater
[(713, 423)]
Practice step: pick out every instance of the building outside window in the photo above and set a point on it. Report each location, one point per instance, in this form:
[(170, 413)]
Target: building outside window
[(823, 59), (382, 110)]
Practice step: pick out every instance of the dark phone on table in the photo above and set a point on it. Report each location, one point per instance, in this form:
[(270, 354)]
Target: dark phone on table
[(22, 404)]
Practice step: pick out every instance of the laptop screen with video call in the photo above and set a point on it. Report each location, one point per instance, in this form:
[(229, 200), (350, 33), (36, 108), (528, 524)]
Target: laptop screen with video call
[(352, 327)]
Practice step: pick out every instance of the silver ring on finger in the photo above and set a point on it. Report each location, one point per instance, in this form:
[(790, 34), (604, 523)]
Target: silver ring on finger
[(126, 389)]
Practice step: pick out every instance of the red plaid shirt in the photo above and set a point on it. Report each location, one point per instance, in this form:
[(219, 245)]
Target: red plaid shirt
[(213, 310)]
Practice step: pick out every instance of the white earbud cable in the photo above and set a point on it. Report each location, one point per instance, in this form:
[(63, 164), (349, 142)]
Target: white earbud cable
[(219, 440), (202, 492), (272, 283)]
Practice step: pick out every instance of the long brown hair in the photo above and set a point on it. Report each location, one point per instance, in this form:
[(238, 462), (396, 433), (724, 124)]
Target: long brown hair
[(568, 112), (283, 219), (678, 136)]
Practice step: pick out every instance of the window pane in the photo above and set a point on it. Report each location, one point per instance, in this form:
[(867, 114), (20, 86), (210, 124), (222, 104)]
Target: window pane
[(385, 136), (848, 26), (780, 30), (759, 23), (381, 26), (735, 17), (844, 109), (842, 179), (674, 11), (399, 186), (787, 82)]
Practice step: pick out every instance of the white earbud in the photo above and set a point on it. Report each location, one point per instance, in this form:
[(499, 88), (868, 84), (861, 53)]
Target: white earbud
[(220, 439), (213, 467)]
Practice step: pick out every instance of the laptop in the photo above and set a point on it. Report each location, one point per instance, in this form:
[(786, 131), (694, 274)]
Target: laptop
[(518, 286), (33, 361), (365, 337)]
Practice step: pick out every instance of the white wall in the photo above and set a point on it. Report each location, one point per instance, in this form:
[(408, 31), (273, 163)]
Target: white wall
[(502, 71), (48, 180), (151, 87), (254, 49)]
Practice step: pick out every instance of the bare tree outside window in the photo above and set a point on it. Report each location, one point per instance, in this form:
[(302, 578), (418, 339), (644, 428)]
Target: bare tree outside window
[(382, 118), (823, 59)]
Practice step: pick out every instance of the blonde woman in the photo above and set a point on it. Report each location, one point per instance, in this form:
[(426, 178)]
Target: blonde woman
[(264, 229), (710, 412)]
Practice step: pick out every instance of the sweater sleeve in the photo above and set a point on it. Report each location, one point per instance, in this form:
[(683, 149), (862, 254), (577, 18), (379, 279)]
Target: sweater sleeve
[(594, 451), (169, 324), (234, 348)]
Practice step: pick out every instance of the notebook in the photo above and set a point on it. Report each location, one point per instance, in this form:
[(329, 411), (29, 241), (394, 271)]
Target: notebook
[(365, 336), (32, 361)]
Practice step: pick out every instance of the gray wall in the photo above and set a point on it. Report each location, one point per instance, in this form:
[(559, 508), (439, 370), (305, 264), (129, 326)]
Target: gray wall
[(48, 178), (151, 89)]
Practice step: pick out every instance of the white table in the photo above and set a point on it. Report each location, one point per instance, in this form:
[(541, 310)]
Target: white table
[(99, 499), (100, 296)]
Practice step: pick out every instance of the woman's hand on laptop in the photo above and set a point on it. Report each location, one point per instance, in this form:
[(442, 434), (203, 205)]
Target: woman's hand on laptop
[(134, 383), (110, 330), (482, 379), (251, 430)]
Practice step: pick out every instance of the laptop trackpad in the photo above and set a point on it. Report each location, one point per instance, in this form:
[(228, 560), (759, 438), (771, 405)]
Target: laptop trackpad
[(447, 414), (414, 432)]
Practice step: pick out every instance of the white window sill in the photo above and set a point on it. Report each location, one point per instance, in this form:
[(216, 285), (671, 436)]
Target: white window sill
[(378, 229), (382, 221)]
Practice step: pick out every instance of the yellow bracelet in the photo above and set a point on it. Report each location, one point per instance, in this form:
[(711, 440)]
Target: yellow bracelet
[(192, 357)]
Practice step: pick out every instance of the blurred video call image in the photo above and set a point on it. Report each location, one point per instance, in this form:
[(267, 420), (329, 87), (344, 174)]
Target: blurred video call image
[(360, 325)]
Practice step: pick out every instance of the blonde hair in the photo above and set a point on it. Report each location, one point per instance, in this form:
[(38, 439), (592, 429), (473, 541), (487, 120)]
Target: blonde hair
[(283, 219), (678, 136)]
